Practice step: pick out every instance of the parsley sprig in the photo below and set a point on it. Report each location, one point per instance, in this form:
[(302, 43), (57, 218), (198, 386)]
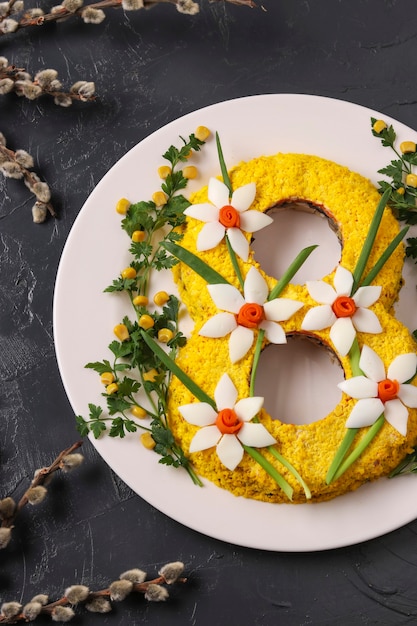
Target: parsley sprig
[(403, 196), (132, 357)]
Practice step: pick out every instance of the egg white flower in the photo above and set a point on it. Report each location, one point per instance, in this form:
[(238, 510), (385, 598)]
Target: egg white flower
[(342, 327), (213, 431), (232, 303), (378, 392), (215, 227)]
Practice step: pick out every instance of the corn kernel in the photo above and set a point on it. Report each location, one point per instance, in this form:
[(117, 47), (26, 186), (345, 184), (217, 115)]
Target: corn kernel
[(202, 133), (147, 441), (161, 298), (107, 378), (401, 191), (165, 335), (164, 171), (112, 388), (379, 126), (129, 272), (140, 301), (137, 411), (411, 180), (190, 172), (122, 206), (138, 236), (146, 321), (407, 146), (121, 332), (151, 375), (159, 198)]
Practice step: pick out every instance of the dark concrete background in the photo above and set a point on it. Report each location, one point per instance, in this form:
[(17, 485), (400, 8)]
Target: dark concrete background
[(149, 68)]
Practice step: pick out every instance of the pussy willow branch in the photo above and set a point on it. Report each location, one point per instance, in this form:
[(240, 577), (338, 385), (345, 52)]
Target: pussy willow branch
[(60, 12), (62, 610)]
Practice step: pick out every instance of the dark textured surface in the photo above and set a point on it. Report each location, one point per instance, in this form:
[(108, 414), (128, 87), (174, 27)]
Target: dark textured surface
[(149, 68)]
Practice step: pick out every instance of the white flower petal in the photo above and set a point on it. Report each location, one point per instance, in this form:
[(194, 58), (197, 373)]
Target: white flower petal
[(403, 367), (255, 288), (371, 365), (198, 413), (365, 413), (396, 414), (408, 395), (252, 221), (273, 332), (205, 438), (365, 296), (343, 281), (242, 197), (321, 292), (247, 408), (240, 342), (203, 212), (229, 451), (238, 242), (359, 387), (365, 321), (226, 297), (281, 309), (225, 394), (218, 193), (318, 317), (219, 325), (342, 334), (210, 236), (255, 436)]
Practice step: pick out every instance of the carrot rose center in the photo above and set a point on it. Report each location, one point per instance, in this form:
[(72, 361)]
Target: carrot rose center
[(388, 389), (229, 217), (344, 306), (228, 422), (250, 315)]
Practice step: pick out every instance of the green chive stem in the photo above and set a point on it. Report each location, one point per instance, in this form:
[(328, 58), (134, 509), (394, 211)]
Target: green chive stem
[(223, 168), (290, 272), (195, 263), (271, 470), (256, 356), (291, 469), (369, 241), (177, 371), (355, 454), (340, 454), (384, 257), (234, 261)]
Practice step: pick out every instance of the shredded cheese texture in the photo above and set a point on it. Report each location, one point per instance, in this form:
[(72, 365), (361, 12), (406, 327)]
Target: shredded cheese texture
[(349, 201)]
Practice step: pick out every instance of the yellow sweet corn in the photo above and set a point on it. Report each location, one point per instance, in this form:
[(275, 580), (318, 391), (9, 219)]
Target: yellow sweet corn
[(112, 388), (121, 332), (411, 180), (165, 335), (137, 411), (407, 146), (129, 272), (164, 171), (140, 301), (160, 198), (161, 298), (190, 172), (138, 236), (146, 321), (379, 126), (202, 133), (401, 191), (147, 441), (150, 375), (122, 206), (107, 378)]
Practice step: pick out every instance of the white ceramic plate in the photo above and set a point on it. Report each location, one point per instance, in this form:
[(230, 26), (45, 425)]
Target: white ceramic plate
[(84, 317)]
